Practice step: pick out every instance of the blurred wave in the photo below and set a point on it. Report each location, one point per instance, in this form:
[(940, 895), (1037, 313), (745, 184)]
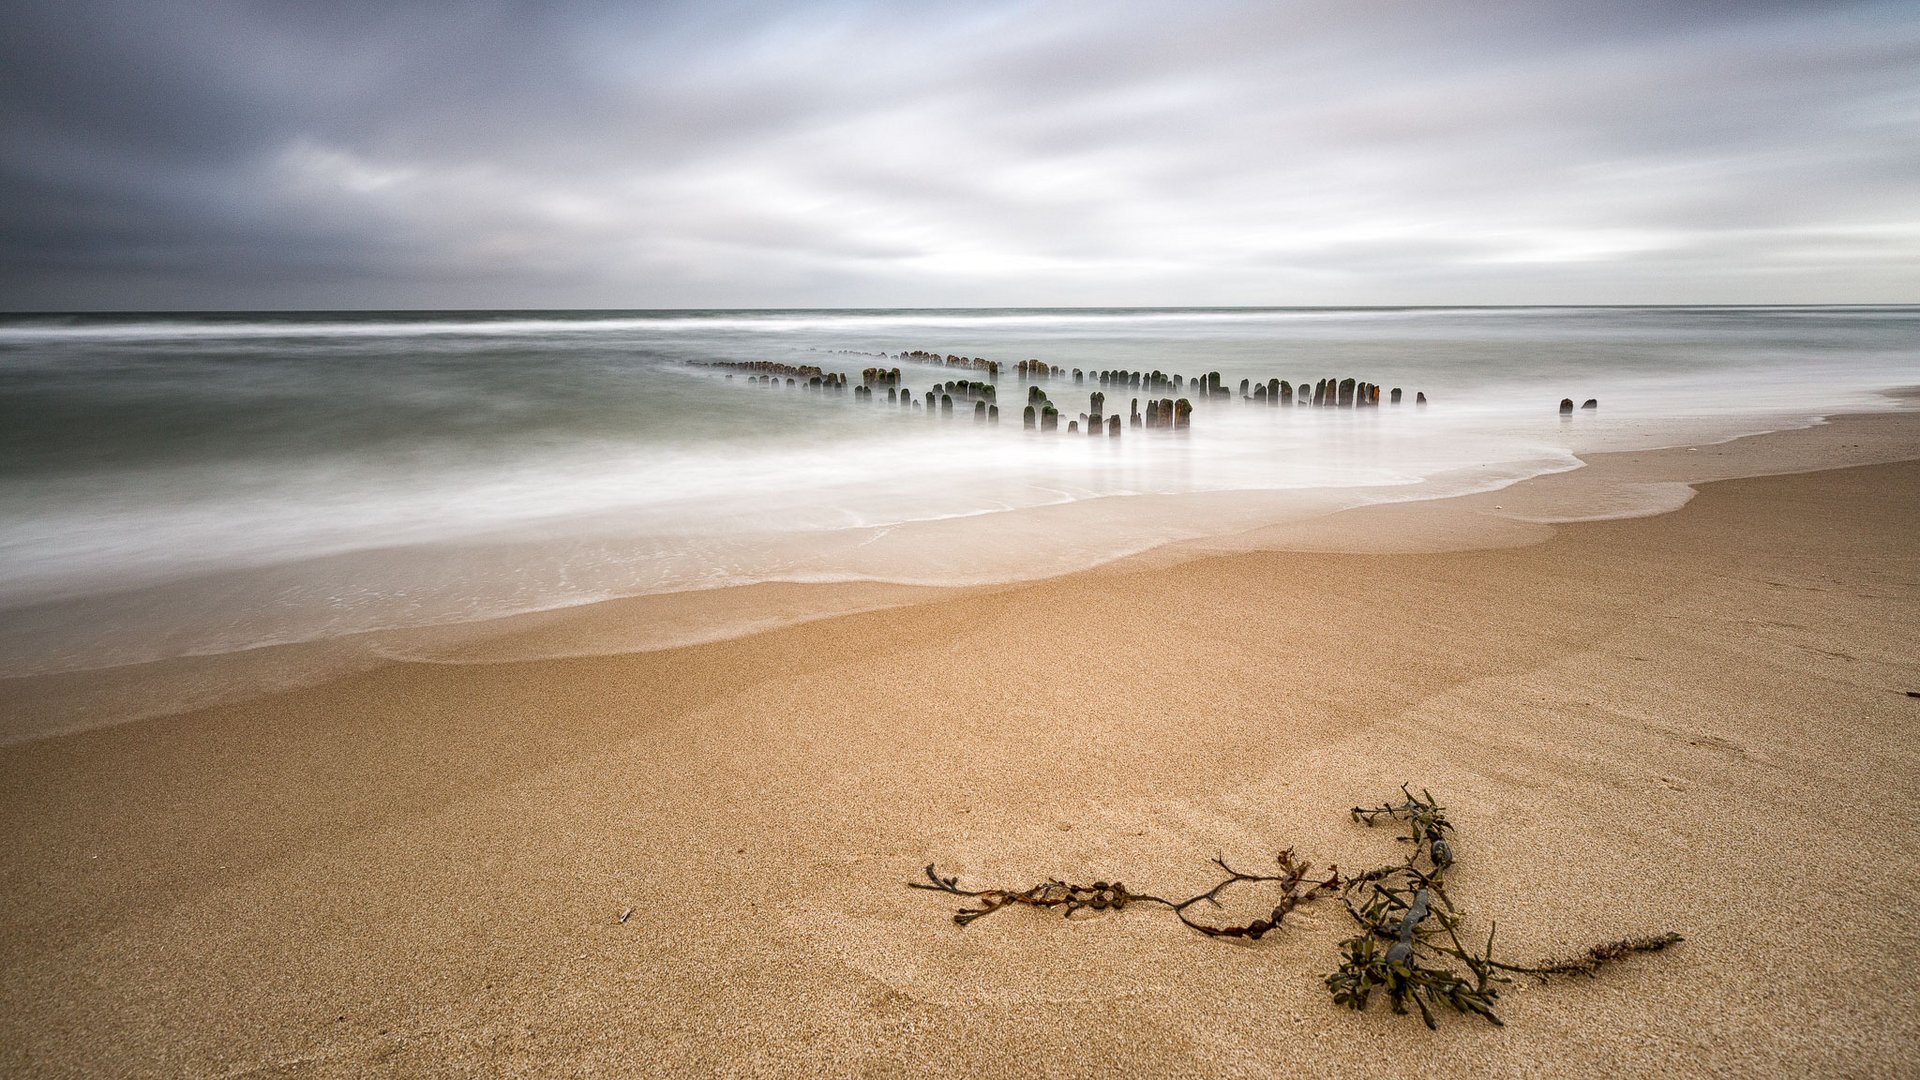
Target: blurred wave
[(173, 484)]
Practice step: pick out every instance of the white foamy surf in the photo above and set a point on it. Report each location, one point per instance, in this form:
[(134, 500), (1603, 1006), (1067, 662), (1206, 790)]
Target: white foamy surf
[(201, 484)]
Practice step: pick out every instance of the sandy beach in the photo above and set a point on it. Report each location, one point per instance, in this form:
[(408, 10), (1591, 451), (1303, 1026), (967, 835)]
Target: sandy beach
[(1702, 721)]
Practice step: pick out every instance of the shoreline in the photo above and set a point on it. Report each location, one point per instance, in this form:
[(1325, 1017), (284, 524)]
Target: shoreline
[(1628, 484), (1696, 721)]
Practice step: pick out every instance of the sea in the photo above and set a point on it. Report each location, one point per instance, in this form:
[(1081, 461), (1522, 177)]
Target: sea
[(198, 484)]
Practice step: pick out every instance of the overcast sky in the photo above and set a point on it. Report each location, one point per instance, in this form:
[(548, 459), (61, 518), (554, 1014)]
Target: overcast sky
[(217, 154)]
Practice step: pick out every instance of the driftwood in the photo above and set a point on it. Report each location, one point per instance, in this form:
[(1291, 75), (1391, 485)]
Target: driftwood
[(1408, 947)]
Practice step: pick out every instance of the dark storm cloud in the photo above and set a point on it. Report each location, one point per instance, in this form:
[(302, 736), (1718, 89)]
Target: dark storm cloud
[(502, 154)]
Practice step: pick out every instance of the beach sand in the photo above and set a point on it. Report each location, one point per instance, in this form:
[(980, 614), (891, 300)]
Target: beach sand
[(1700, 721)]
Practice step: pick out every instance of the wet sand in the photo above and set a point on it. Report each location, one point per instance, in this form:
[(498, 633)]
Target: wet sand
[(1698, 721)]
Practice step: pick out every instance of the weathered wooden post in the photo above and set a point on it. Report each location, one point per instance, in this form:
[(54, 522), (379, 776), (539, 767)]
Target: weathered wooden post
[(1590, 403), (1395, 398), (1420, 399), (1346, 393), (1113, 426), (979, 412), (1027, 419), (1566, 406), (1182, 413)]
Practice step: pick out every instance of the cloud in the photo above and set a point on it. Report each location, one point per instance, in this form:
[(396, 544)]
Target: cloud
[(516, 154)]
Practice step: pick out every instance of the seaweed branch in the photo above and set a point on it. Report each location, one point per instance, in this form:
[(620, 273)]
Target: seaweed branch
[(1293, 879), (1409, 945)]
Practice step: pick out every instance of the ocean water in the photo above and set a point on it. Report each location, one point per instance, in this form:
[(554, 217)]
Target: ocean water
[(195, 484)]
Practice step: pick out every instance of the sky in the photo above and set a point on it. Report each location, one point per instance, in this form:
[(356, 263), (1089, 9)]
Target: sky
[(220, 154)]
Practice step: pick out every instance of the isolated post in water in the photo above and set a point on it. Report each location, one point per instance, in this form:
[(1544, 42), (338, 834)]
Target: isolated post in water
[(1566, 406)]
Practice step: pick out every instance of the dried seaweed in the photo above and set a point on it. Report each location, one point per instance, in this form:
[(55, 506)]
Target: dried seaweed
[(1409, 946), (1293, 879)]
